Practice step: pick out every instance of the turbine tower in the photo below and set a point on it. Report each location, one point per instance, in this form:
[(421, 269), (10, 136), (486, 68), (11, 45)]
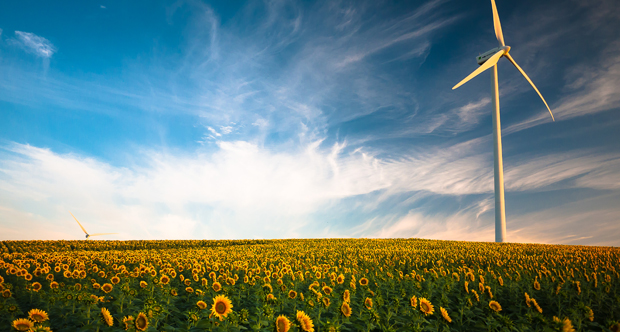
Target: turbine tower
[(88, 235), (487, 60)]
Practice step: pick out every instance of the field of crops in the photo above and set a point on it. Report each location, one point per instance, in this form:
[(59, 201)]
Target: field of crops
[(307, 285)]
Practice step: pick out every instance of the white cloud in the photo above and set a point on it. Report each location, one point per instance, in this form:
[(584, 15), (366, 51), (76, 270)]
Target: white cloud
[(244, 190), (35, 44), (241, 190)]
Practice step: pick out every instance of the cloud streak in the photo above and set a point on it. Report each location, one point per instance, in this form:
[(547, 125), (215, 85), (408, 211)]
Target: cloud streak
[(35, 44)]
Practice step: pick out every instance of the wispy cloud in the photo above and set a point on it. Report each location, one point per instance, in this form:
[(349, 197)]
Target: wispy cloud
[(34, 44)]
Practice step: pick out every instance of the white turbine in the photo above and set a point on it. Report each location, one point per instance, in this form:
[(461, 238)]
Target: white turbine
[(88, 235), (487, 60)]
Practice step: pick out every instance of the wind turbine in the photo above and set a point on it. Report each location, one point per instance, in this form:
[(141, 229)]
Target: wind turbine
[(85, 232), (487, 60)]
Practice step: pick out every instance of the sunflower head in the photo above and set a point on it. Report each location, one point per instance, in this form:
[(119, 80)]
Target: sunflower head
[(292, 294), (444, 314), (305, 322), (201, 305), (346, 296), (22, 324), (143, 284), (368, 303), (38, 315), (345, 309), (426, 306), (107, 288), (282, 324), (36, 286), (221, 307), (142, 322), (107, 317), (115, 280), (325, 301), (128, 321), (216, 286), (364, 282), (413, 301), (495, 306)]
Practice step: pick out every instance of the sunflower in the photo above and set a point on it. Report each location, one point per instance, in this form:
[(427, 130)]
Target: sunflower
[(305, 322), (326, 301), (143, 284), (536, 285), (127, 320), (346, 297), (528, 301), (345, 309), (115, 280), (444, 314), (566, 324), (533, 301), (189, 289), (282, 324), (327, 290), (495, 306), (340, 279), (201, 305), (36, 286), (107, 288), (6, 293), (270, 297), (368, 303), (142, 322), (216, 286), (364, 282), (413, 301), (38, 315), (22, 324), (78, 286), (590, 314), (426, 307), (466, 286), (221, 306), (164, 279), (292, 294), (107, 317)]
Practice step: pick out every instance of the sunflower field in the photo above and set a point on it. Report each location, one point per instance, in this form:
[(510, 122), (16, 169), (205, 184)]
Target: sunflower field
[(307, 285)]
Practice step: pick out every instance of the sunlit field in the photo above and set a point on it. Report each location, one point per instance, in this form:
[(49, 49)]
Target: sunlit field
[(307, 285)]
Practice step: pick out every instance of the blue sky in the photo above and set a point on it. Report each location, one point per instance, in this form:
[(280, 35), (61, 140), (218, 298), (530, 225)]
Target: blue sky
[(281, 119)]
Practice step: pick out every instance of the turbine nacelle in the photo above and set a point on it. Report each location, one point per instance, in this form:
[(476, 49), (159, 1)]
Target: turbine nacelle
[(482, 58), (85, 232)]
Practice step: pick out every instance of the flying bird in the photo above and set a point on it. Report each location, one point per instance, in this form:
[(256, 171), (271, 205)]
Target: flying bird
[(487, 60), (85, 232)]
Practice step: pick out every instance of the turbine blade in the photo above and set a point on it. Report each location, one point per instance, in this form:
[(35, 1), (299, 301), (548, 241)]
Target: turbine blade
[(497, 25), (488, 64), (529, 80), (102, 234), (78, 223)]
